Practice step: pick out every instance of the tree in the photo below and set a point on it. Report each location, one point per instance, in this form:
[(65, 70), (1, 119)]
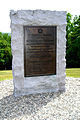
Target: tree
[(73, 41), (5, 51), (69, 29)]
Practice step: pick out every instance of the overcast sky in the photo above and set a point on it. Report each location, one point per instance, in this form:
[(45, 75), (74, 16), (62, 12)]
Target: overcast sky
[(72, 6)]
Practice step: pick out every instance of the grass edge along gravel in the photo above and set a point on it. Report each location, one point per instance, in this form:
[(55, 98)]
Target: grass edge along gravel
[(5, 75), (70, 72)]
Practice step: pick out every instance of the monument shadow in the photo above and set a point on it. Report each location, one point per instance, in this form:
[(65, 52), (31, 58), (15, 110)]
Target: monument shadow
[(13, 107)]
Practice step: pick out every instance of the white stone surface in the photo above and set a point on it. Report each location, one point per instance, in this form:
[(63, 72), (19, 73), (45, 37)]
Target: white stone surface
[(29, 85)]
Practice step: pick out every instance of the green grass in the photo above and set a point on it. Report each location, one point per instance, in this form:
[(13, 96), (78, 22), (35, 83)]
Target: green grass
[(72, 72), (5, 74)]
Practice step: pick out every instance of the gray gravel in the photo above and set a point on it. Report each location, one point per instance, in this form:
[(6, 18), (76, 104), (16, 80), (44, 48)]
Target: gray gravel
[(49, 106)]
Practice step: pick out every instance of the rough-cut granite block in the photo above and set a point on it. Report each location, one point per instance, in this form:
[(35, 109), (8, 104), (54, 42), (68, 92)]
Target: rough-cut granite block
[(31, 85)]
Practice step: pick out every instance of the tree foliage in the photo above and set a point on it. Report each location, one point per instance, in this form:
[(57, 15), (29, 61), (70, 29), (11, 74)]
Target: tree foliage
[(5, 51), (73, 41)]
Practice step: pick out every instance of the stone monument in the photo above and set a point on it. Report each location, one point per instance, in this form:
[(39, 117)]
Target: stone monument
[(38, 48)]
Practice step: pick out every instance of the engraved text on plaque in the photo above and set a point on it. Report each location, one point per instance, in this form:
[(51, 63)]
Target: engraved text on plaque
[(39, 50)]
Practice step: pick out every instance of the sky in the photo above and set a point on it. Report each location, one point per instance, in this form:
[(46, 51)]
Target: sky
[(72, 6)]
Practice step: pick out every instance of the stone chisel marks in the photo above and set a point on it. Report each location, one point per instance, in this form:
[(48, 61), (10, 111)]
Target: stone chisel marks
[(38, 51)]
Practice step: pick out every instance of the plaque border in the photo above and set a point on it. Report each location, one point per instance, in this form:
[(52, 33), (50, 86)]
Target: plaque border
[(55, 51)]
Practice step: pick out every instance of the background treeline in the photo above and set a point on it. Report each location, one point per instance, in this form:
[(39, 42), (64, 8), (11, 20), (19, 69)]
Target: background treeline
[(72, 49), (5, 51), (73, 41)]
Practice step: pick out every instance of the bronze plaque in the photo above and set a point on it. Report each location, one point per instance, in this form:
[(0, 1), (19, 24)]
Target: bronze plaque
[(39, 50)]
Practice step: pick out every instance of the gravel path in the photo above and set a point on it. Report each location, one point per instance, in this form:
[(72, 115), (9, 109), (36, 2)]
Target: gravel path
[(47, 106)]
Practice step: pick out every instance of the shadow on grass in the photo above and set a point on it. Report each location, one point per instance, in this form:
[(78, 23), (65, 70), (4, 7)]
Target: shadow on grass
[(11, 107)]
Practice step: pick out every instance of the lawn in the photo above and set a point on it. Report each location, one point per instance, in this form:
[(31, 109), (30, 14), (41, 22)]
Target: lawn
[(5, 74), (72, 72)]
